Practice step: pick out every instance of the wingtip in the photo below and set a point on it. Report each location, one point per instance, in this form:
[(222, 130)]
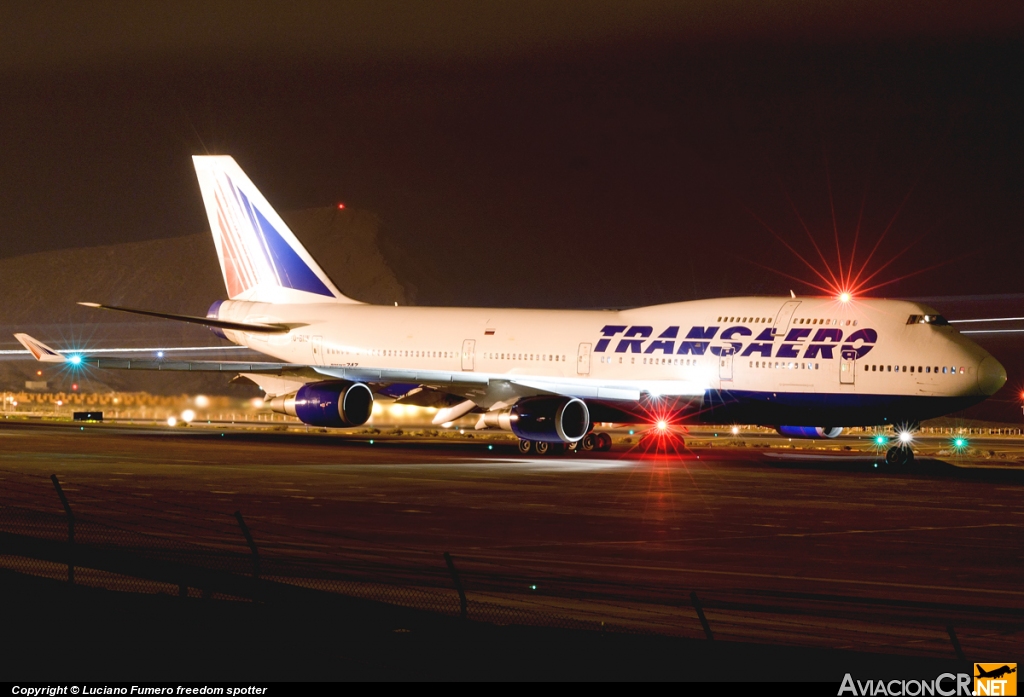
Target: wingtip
[(89, 304), (40, 351)]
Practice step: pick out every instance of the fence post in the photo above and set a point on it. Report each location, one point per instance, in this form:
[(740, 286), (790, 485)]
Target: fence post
[(252, 544), (458, 584), (956, 643), (71, 528), (700, 615)]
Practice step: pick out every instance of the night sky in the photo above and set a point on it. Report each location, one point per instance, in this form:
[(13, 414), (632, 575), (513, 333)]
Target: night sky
[(536, 153)]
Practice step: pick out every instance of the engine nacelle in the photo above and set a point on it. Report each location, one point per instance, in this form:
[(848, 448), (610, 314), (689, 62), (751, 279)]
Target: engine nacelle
[(330, 404), (551, 419), (810, 431)]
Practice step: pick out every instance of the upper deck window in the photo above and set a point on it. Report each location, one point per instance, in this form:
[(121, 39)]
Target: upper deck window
[(937, 320)]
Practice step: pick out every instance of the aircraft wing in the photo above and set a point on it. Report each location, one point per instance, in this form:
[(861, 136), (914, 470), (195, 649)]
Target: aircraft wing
[(436, 387), (270, 376)]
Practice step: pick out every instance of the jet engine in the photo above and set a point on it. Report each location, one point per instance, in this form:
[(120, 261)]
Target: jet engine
[(331, 404), (551, 419), (810, 431)]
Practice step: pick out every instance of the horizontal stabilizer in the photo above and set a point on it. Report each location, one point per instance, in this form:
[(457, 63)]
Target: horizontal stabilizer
[(41, 351), (251, 328)]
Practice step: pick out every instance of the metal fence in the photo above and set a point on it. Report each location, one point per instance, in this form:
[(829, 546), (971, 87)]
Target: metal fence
[(79, 534)]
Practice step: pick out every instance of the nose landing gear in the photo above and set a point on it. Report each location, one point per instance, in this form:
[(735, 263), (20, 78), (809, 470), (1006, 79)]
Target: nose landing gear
[(899, 456)]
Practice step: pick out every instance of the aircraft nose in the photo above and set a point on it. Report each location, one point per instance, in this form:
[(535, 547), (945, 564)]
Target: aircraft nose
[(991, 376)]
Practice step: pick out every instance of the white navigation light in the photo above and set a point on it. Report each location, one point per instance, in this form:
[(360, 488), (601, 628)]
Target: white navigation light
[(906, 436)]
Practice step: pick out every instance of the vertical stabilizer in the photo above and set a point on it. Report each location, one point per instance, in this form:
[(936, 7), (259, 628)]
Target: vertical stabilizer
[(260, 258)]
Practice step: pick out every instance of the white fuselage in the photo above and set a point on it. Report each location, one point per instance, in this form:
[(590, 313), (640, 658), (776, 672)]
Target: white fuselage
[(759, 347)]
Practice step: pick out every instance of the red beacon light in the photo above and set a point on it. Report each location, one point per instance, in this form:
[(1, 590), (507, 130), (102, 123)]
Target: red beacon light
[(341, 206)]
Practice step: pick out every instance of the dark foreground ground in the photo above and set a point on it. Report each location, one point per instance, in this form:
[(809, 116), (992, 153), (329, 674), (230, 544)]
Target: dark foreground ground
[(53, 635), (809, 566)]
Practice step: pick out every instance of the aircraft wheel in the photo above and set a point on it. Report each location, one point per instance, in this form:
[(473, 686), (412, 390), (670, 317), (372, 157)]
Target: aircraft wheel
[(899, 456), (572, 447), (589, 442), (541, 447), (604, 442), (525, 446)]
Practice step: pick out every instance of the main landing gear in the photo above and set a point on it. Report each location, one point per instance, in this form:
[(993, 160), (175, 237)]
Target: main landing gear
[(596, 442)]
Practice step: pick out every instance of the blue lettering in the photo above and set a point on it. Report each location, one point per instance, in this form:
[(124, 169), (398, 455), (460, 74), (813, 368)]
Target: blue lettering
[(868, 336), (663, 346), (670, 333), (634, 345), (608, 330), (735, 331), (765, 350), (767, 335), (825, 350), (697, 348), (728, 334), (835, 335), (791, 350)]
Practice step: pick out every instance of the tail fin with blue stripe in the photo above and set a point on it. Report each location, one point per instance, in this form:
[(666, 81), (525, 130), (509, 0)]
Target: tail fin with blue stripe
[(261, 259)]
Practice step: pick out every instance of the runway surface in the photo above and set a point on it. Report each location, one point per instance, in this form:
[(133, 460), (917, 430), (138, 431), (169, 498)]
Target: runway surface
[(794, 548)]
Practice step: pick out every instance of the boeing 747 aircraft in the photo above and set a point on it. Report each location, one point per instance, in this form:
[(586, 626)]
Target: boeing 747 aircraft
[(806, 366)]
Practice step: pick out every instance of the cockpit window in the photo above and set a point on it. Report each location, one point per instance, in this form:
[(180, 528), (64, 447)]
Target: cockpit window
[(937, 320)]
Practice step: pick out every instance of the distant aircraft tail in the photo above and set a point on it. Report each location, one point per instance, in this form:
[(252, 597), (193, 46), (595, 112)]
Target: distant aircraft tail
[(262, 261)]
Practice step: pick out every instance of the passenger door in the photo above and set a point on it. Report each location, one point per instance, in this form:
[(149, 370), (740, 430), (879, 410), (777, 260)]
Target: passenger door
[(725, 363), (583, 360), (848, 367), (784, 317), (468, 353)]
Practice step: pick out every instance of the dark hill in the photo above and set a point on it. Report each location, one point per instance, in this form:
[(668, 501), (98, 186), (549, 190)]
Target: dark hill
[(180, 275)]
